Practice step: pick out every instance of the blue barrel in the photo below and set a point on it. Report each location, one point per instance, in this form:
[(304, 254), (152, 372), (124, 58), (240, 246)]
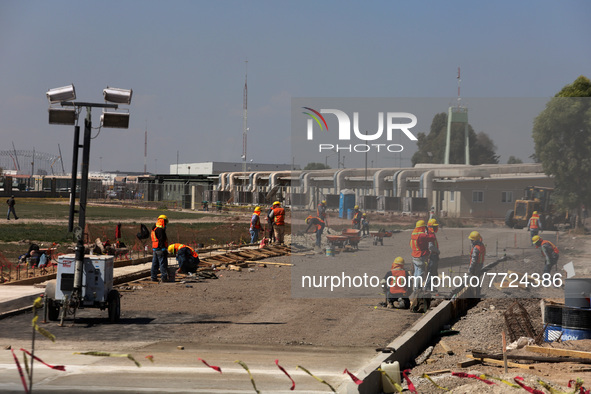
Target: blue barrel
[(552, 333), (574, 334)]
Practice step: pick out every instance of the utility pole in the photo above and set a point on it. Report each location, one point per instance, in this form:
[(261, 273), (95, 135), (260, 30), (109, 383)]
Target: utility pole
[(244, 122), (146, 150)]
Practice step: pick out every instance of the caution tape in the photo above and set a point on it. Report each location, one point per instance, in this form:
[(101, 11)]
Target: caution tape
[(518, 380), (411, 387), (249, 374), (467, 375), (151, 358), (36, 305), (106, 354), (210, 366), (316, 377), (56, 367), (285, 372), (392, 382), (434, 384), (355, 378), (20, 372), (485, 376)]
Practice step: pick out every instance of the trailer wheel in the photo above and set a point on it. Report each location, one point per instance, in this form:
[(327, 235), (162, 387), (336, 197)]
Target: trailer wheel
[(509, 222), (53, 308), (114, 306)]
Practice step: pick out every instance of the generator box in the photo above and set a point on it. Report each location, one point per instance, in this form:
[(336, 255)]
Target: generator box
[(97, 278)]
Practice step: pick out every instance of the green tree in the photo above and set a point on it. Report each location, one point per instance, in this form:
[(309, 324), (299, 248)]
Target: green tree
[(514, 160), (316, 166), (431, 147), (562, 138)]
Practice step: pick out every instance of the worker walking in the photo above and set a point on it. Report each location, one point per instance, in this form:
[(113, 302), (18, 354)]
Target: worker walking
[(318, 225), (278, 216), (321, 211), (186, 256), (364, 225), (356, 222), (419, 245), (160, 250), (433, 261), (395, 284), (534, 224), (549, 251), (11, 202), (477, 253), (255, 225)]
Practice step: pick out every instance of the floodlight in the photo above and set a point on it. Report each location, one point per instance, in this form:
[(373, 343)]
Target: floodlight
[(62, 116), (116, 95), (118, 120), (65, 93)]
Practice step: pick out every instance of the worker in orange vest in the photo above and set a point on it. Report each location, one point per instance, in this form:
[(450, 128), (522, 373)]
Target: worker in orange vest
[(395, 284), (356, 222), (477, 253), (186, 256), (419, 245), (433, 261), (159, 249), (318, 225), (278, 216), (255, 225), (534, 224), (549, 251)]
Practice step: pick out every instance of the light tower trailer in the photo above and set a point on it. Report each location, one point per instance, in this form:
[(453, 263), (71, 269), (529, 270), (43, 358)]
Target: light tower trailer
[(97, 288)]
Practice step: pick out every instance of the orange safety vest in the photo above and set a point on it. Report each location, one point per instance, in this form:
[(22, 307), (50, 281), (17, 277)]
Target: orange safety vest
[(356, 217), (395, 274), (434, 240), (534, 220), (419, 244), (178, 247), (553, 246), (321, 211), (155, 241), (481, 253), (255, 224), (279, 216)]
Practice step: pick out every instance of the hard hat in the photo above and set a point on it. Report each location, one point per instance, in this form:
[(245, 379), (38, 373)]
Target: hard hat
[(535, 239), (420, 223), (399, 260), (257, 209), (432, 222), (474, 236), (171, 249), (323, 201), (276, 203), (535, 213), (163, 217), (365, 214), (356, 207), (308, 219)]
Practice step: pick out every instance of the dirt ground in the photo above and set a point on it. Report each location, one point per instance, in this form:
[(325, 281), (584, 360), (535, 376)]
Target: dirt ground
[(268, 305)]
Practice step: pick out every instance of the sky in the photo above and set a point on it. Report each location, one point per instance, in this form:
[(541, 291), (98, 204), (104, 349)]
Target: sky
[(186, 64)]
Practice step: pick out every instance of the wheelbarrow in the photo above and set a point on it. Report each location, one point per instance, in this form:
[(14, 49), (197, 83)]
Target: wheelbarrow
[(378, 236), (337, 240), (353, 237)]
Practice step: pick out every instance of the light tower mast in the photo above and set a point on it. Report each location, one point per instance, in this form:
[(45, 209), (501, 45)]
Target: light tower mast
[(244, 123), (146, 150)]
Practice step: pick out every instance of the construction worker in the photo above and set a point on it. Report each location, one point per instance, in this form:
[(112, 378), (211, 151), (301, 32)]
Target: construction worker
[(11, 202), (356, 222), (433, 261), (364, 225), (549, 251), (319, 224), (255, 225), (186, 256), (419, 245), (160, 250), (321, 210), (395, 285), (477, 253), (278, 216), (270, 231), (534, 224)]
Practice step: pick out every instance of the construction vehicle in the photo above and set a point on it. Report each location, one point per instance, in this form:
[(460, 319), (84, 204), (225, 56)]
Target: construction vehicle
[(536, 198), (97, 288)]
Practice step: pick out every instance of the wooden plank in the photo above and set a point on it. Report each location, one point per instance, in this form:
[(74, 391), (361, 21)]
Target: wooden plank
[(268, 263), (501, 363), (468, 363), (446, 347), (559, 352)]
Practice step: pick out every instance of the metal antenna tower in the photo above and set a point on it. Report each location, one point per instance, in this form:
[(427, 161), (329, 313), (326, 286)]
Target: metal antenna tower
[(244, 123)]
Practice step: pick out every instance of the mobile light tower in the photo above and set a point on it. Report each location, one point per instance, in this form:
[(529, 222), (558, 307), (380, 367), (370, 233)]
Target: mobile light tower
[(67, 114)]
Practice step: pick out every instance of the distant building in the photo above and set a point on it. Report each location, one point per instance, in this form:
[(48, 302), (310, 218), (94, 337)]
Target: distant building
[(217, 167)]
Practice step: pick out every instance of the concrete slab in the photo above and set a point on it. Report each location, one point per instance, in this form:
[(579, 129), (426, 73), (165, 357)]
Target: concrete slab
[(17, 297)]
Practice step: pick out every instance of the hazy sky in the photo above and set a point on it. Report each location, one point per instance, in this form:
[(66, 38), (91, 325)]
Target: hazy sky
[(185, 61)]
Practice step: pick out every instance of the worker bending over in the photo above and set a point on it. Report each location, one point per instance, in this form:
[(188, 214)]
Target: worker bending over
[(549, 251), (395, 285), (186, 256), (318, 225)]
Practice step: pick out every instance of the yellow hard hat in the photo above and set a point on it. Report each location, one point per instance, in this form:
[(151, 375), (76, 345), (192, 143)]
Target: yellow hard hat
[(474, 236), (163, 217), (171, 249), (535, 239), (323, 201), (257, 209), (276, 203), (432, 222), (399, 260), (535, 213), (420, 223), (308, 219), (356, 207)]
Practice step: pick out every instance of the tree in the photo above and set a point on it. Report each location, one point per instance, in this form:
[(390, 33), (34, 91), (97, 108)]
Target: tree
[(316, 166), (562, 138), (514, 160), (431, 147)]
